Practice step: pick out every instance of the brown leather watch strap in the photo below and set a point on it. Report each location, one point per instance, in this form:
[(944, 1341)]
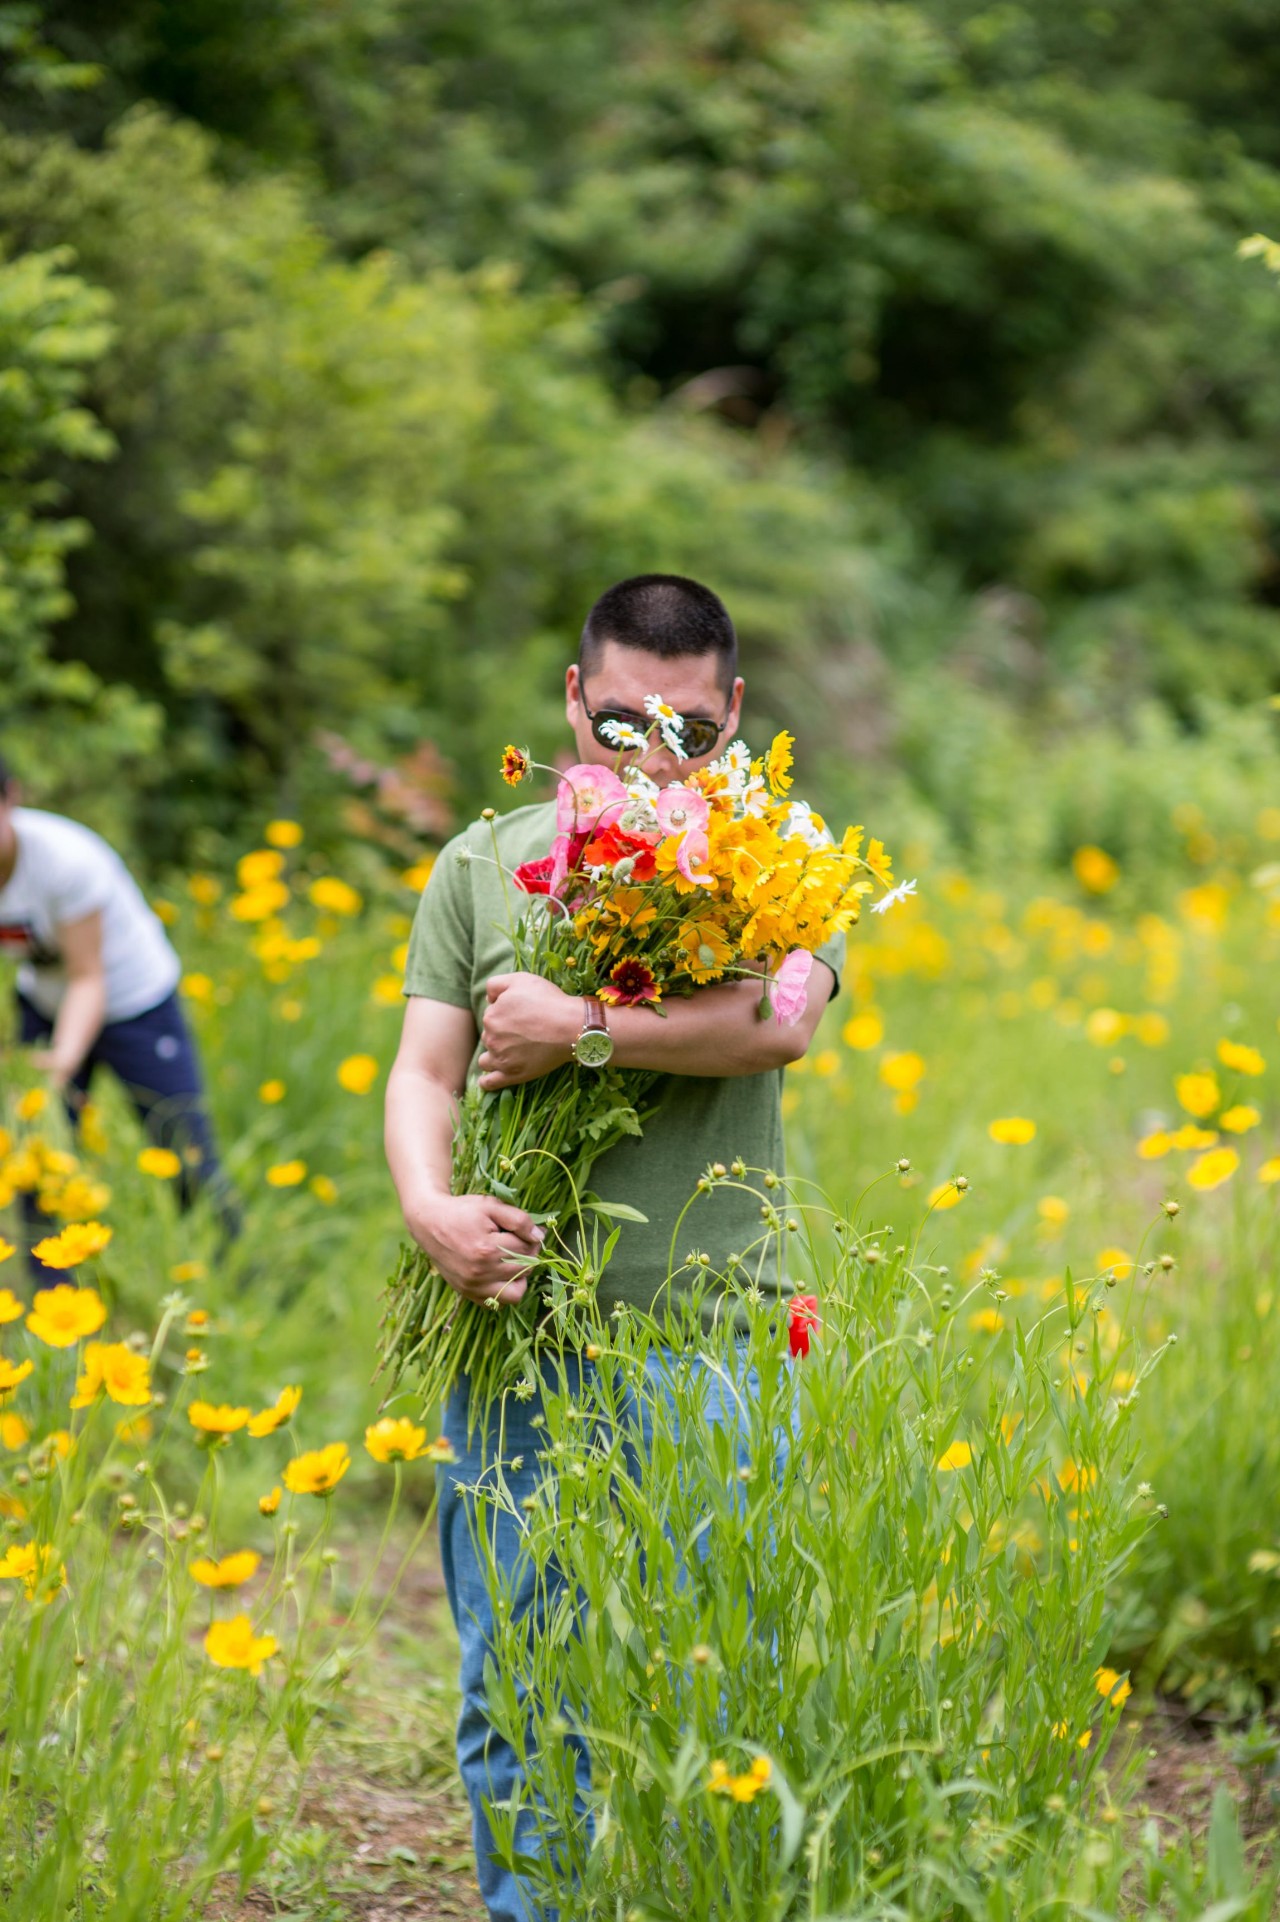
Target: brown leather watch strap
[(595, 1016)]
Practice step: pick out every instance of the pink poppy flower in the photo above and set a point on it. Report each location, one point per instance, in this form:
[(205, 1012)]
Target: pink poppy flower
[(683, 811), (589, 797), (802, 1319), (789, 988)]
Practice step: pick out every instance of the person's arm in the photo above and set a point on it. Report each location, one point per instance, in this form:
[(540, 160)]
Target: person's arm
[(478, 1243), (84, 1003), (531, 1024)]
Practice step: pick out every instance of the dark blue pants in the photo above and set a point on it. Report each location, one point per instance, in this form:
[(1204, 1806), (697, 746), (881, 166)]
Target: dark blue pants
[(154, 1055)]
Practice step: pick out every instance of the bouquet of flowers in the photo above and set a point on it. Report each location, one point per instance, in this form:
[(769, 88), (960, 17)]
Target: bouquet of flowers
[(645, 893)]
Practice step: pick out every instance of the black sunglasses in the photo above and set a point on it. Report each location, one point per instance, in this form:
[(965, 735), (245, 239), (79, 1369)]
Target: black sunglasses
[(697, 735)]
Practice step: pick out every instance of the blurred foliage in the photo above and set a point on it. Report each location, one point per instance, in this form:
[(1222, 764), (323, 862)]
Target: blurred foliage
[(918, 330)]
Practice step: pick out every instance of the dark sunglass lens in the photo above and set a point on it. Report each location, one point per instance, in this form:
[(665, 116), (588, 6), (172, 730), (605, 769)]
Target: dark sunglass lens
[(699, 737)]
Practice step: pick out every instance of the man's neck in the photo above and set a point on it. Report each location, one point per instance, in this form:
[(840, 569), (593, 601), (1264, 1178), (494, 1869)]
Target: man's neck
[(8, 851)]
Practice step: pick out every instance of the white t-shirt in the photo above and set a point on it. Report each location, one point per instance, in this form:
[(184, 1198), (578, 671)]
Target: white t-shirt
[(64, 872)]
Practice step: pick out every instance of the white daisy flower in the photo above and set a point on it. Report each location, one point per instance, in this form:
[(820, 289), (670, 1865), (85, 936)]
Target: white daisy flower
[(900, 893), (810, 827), (622, 734)]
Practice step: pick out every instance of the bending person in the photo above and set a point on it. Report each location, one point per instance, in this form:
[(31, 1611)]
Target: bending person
[(98, 984)]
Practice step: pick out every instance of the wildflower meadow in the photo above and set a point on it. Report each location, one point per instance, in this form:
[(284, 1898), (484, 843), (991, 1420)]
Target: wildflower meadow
[(995, 1528)]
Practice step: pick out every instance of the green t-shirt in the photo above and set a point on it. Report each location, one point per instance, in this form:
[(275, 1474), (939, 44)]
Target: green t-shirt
[(460, 939)]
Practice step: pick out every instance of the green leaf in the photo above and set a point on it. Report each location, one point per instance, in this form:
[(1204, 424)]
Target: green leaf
[(613, 1210)]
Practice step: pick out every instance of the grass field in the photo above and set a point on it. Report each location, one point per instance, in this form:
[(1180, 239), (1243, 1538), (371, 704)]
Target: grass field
[(1050, 1104)]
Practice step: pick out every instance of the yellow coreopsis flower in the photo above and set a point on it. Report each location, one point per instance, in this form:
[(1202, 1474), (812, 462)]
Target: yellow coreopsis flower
[(231, 1572), (948, 1194), (903, 1071), (1012, 1130), (111, 1368), (234, 1644), (880, 863), (268, 1420), (163, 1163), (7, 1248), (1241, 1058), (11, 1309), (35, 1567), (959, 1455), (703, 950), (358, 1073), (283, 834), (987, 1321), (319, 1471), (32, 1103), (12, 1373), (216, 1418), (1115, 1687), (1213, 1168), (259, 868), (64, 1315), (287, 1174), (14, 1431), (1198, 1093), (78, 1242), (1116, 1261), (1239, 1119), (1095, 870), (335, 896), (777, 762), (271, 1091), (395, 1439), (268, 1504)]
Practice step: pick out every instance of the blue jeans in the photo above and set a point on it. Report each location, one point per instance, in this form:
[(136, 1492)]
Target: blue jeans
[(487, 1763), (154, 1055)]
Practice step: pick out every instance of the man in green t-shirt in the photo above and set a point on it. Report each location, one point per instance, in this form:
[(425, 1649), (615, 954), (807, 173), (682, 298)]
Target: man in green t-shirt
[(469, 1016)]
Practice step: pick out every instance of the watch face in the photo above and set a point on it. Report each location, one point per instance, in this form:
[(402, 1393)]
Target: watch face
[(593, 1048)]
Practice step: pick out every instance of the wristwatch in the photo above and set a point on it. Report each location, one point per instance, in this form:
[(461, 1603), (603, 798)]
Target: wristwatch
[(594, 1044)]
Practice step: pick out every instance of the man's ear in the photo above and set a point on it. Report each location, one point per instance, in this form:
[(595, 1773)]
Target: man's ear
[(572, 692)]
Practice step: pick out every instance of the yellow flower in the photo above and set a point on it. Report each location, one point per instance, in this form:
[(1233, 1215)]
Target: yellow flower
[(419, 874), (515, 765), (12, 1373), (1243, 1059), (32, 1103), (387, 991), (1270, 1170), (777, 762), (1151, 1029), (1212, 1169), (1239, 1119), (1158, 1143), (271, 1092), (1113, 1686), (6, 1249), (335, 896), (231, 1572), (1012, 1130), (1053, 1210), (1189, 1136), (1072, 1476), (14, 1432), (110, 1368), (80, 1242), (234, 1644), (163, 1163), (261, 903), (260, 868), (268, 1504), (35, 1568), (742, 1788), (287, 1174), (946, 1195), (268, 1420), (903, 1071), (319, 1471), (1104, 1027), (1198, 1093), (880, 863), (865, 1030), (64, 1315), (324, 1188), (988, 1321), (395, 1439), (205, 889), (197, 987), (188, 1271), (440, 1450), (358, 1073), (959, 1455), (1095, 870), (1116, 1261), (283, 834), (703, 949), (10, 1307), (216, 1419)]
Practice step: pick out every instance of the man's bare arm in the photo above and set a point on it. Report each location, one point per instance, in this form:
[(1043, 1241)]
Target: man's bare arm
[(84, 1002), (479, 1244), (531, 1024)]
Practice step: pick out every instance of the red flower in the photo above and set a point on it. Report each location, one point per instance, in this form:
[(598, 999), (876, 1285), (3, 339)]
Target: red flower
[(630, 983), (802, 1317), (611, 845), (535, 876)]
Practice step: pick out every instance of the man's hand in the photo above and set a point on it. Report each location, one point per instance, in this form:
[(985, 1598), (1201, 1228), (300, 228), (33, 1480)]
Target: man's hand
[(56, 1071), (480, 1245), (529, 1028)]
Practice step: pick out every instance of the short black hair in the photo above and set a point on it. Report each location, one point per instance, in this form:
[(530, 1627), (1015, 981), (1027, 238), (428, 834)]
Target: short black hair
[(665, 614)]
